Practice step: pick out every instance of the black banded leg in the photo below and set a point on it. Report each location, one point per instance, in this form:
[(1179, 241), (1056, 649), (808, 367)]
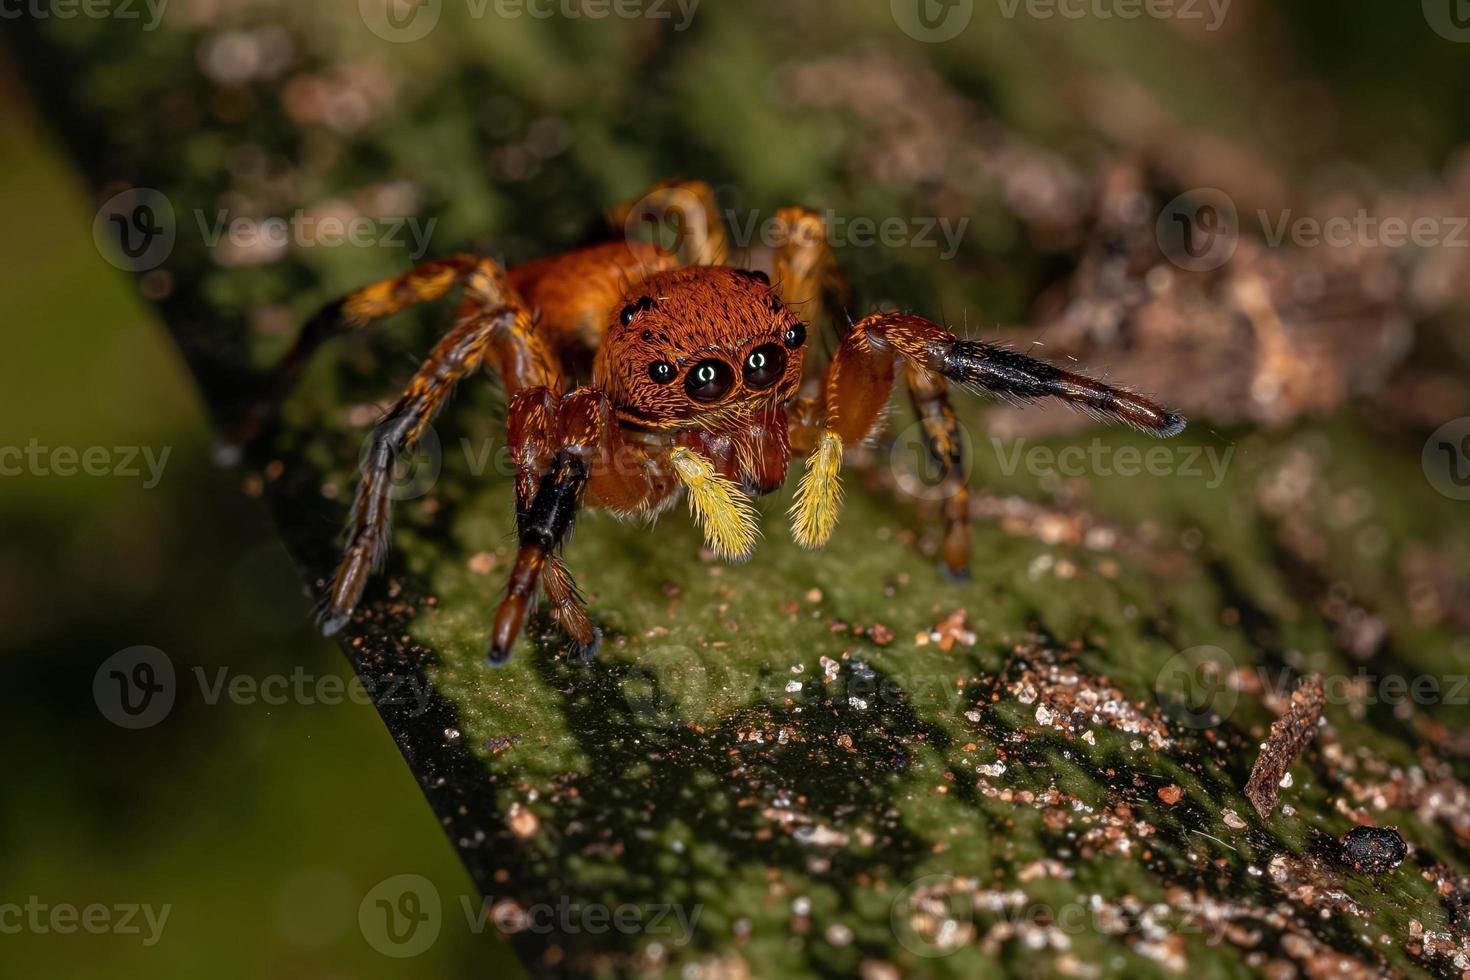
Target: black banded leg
[(541, 528), (1001, 371), (367, 538)]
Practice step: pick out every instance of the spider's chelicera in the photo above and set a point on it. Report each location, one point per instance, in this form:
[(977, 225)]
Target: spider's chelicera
[(697, 389)]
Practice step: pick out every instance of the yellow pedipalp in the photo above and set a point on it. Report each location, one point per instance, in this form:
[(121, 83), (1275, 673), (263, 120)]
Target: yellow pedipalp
[(819, 497), (724, 514)]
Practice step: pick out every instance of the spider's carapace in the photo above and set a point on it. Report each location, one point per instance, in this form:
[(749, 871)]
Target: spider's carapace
[(698, 388)]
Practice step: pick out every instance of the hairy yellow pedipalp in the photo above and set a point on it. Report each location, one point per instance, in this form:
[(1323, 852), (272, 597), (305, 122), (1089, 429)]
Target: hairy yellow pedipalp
[(819, 497), (728, 520)]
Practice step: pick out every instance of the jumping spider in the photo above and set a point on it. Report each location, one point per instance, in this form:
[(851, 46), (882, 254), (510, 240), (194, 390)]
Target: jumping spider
[(697, 386)]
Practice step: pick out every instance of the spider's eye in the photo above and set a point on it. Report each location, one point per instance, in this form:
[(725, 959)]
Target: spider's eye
[(764, 366), (661, 372), (634, 308), (709, 381), (794, 336), (755, 274)]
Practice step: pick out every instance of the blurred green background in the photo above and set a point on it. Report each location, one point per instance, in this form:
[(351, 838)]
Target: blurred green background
[(262, 827)]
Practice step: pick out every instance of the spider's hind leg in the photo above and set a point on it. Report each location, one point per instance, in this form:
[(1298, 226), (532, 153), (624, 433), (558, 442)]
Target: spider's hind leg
[(486, 289)]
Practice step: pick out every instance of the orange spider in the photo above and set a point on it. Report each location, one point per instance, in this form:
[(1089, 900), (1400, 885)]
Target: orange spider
[(697, 371)]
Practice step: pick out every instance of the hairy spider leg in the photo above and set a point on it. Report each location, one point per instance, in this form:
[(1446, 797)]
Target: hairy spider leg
[(858, 381), (503, 337)]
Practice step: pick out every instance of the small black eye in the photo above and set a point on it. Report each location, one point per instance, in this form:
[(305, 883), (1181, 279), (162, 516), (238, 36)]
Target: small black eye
[(755, 274), (709, 381), (764, 366), (634, 308), (661, 372), (794, 336)]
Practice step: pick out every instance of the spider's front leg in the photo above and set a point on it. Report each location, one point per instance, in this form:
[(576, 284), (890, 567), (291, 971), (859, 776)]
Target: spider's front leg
[(568, 451), (855, 392)]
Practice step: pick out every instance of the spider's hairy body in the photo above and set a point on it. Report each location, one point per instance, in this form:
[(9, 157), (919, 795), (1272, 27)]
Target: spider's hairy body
[(696, 388)]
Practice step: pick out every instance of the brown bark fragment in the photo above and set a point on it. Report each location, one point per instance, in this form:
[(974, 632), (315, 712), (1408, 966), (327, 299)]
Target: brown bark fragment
[(1289, 735)]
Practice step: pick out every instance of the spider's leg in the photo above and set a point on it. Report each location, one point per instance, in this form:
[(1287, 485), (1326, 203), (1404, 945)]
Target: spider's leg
[(690, 207), (556, 444), (804, 268), (940, 431), (503, 335), (486, 289), (857, 383)]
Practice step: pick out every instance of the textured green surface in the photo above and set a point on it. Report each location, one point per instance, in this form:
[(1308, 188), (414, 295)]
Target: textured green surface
[(745, 748)]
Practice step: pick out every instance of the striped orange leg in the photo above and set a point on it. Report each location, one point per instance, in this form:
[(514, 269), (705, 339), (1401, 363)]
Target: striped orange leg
[(858, 381), (805, 268), (486, 288), (689, 209), (503, 337)]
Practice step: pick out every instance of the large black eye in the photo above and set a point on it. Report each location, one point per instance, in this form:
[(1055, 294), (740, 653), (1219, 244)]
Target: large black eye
[(634, 308), (709, 381), (661, 372), (764, 366), (794, 336)]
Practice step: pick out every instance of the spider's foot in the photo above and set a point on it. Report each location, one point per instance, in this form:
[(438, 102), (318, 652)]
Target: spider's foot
[(819, 496), (955, 576), (332, 621), (585, 653), (498, 655)]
